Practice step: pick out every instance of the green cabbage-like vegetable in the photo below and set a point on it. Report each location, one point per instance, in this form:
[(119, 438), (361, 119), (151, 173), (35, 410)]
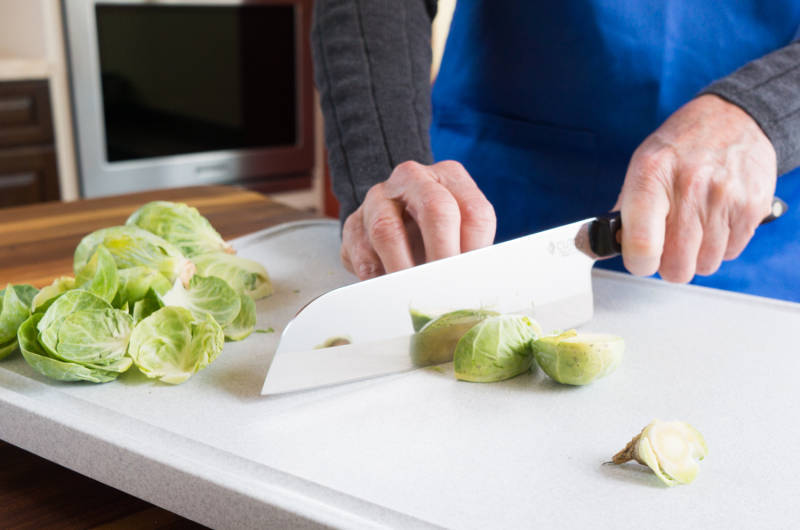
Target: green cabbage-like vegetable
[(149, 304), (436, 342), (99, 276), (244, 323), (244, 275), (672, 449), (173, 343), (181, 225), (15, 308), (576, 358), (135, 282), (48, 294), (495, 349), (131, 246), (419, 319), (206, 295), (79, 337)]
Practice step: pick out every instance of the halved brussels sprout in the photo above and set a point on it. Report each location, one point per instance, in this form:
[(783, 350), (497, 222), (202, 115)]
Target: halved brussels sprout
[(672, 449), (48, 294), (244, 323), (436, 342), (576, 358), (15, 308), (99, 276), (180, 224), (419, 319), (206, 294), (244, 275), (135, 282), (131, 246), (173, 343), (495, 349)]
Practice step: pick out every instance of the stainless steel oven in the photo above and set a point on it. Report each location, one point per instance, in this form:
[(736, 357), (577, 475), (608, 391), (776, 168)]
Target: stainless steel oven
[(174, 93)]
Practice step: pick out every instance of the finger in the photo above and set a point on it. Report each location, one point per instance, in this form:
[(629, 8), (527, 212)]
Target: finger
[(644, 205), (385, 230), (431, 205), (683, 237), (716, 231), (357, 253), (478, 220), (742, 228)]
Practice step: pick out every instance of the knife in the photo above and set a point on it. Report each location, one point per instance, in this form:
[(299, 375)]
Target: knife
[(546, 275)]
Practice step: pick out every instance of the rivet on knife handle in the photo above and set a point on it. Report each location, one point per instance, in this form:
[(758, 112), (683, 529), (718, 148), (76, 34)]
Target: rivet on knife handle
[(603, 232)]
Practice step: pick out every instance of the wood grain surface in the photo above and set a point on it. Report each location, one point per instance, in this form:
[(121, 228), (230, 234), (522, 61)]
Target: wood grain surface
[(36, 246)]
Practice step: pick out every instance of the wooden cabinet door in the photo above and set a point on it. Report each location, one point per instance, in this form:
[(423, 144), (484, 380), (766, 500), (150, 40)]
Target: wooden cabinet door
[(28, 175)]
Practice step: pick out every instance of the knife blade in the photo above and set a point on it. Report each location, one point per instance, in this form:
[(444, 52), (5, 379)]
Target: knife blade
[(546, 275)]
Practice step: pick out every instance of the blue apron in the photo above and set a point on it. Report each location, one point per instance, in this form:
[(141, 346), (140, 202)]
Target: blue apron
[(544, 103)]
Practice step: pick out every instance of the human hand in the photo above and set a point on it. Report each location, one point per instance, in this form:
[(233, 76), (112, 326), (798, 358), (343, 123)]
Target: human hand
[(695, 191), (421, 213)]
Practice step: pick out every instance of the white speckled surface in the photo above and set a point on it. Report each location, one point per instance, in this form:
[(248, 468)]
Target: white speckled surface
[(420, 448)]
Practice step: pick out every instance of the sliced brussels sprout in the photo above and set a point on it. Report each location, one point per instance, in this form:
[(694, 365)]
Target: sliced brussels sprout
[(244, 275), (147, 305), (15, 308), (436, 342), (135, 282), (173, 343), (48, 294), (131, 246), (672, 449), (574, 358), (495, 349), (180, 224), (38, 359), (206, 294), (244, 323), (99, 276), (419, 319)]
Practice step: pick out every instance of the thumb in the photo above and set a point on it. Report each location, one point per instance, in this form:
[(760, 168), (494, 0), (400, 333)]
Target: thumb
[(644, 206)]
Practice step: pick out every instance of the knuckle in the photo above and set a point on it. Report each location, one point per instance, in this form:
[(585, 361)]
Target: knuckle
[(408, 168), (385, 229), (450, 166), (479, 212), (441, 207)]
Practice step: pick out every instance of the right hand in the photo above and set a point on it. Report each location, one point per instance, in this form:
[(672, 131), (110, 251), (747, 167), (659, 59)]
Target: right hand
[(420, 214)]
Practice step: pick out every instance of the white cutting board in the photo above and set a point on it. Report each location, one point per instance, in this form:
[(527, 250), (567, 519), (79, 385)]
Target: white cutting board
[(419, 448)]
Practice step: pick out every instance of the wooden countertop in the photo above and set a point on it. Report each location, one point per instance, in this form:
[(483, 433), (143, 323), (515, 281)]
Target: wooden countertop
[(36, 246)]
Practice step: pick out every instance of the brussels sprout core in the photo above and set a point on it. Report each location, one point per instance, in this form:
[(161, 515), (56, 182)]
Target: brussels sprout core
[(672, 449), (576, 358)]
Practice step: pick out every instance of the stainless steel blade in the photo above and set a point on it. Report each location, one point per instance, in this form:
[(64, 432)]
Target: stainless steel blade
[(546, 275)]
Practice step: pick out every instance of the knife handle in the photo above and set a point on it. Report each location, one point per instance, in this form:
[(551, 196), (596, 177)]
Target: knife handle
[(604, 238)]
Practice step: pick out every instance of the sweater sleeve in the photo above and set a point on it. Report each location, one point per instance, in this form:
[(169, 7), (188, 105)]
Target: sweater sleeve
[(372, 61), (768, 89)]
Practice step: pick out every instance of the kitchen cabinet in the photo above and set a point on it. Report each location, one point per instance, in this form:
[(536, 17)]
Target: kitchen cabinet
[(28, 170)]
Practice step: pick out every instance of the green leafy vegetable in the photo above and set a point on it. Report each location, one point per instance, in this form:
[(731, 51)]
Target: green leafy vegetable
[(436, 342), (135, 282), (99, 276), (147, 305), (244, 275), (48, 294), (15, 308), (576, 358), (244, 323), (206, 295), (181, 225), (173, 343), (495, 349)]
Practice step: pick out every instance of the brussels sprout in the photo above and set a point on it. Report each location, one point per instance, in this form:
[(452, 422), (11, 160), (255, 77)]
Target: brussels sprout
[(419, 319), (330, 342), (576, 358), (672, 449), (35, 355), (98, 338), (244, 275), (99, 276), (48, 294), (173, 343), (149, 304), (135, 282), (131, 246), (206, 295), (436, 342), (244, 323), (181, 225), (15, 308), (495, 349)]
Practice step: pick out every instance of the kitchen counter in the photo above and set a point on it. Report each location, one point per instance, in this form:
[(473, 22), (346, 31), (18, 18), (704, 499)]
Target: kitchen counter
[(36, 245)]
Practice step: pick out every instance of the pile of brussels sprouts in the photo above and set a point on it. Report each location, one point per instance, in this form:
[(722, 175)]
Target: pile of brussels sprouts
[(163, 293), (486, 346)]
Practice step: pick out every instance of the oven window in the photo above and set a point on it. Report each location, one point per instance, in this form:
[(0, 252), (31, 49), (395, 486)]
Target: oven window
[(189, 79)]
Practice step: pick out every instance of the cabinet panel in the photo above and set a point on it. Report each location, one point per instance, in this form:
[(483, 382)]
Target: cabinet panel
[(28, 175), (25, 117)]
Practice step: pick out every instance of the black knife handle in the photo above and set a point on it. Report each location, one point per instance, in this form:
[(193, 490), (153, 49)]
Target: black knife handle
[(604, 230)]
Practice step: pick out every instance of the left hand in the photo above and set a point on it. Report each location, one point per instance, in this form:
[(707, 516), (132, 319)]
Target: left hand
[(695, 191)]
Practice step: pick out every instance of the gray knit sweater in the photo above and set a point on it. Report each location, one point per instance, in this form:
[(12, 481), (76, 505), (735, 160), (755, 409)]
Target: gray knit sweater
[(372, 68)]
